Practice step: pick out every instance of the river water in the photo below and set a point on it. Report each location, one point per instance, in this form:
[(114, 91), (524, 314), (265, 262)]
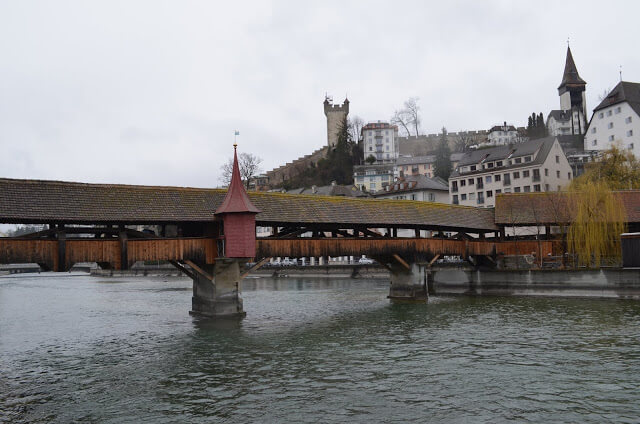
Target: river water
[(125, 350)]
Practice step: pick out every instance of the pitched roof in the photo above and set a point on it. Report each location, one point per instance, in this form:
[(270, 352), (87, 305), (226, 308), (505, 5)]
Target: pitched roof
[(37, 201), (414, 183), (236, 200), (331, 190), (570, 76), (623, 92), (413, 160), (551, 208), (559, 115), (527, 148)]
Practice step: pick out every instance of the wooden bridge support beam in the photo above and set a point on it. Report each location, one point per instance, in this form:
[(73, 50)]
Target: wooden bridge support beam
[(217, 289)]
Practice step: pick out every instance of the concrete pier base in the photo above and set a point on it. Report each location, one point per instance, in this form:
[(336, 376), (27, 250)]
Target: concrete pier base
[(408, 285), (221, 295)]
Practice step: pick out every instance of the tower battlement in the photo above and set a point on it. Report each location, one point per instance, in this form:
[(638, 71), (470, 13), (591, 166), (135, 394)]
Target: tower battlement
[(335, 116)]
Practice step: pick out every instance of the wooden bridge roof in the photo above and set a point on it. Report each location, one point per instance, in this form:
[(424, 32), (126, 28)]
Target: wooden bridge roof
[(38, 201), (548, 208)]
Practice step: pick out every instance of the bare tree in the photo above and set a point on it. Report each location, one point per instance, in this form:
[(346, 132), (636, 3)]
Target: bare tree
[(249, 165), (355, 128), (408, 117)]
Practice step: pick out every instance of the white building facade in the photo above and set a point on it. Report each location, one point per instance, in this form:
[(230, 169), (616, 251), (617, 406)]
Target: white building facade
[(499, 135), (371, 178), (533, 166), (616, 120), (380, 140), (419, 187)]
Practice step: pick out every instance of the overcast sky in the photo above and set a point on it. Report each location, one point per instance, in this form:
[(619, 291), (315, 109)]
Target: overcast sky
[(150, 92)]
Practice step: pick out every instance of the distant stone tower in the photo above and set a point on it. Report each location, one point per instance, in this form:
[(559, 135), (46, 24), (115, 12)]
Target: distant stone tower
[(335, 115), (572, 95)]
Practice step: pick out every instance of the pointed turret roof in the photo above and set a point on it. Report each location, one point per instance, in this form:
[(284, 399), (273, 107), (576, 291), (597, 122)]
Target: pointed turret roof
[(236, 200), (570, 76)]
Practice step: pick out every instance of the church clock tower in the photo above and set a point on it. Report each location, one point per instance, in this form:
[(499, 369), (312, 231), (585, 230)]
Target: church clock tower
[(572, 95)]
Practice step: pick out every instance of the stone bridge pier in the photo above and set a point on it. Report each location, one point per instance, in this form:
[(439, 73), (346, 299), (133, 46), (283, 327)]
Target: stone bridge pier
[(409, 282), (217, 289)]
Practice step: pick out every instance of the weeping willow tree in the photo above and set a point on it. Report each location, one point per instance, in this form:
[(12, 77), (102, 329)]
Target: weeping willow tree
[(600, 218)]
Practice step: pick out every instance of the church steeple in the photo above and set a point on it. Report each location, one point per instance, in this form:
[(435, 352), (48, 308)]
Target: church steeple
[(571, 78), (572, 95)]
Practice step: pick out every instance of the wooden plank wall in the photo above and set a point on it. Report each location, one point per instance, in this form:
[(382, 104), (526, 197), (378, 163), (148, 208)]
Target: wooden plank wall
[(16, 251), (302, 247), (199, 250)]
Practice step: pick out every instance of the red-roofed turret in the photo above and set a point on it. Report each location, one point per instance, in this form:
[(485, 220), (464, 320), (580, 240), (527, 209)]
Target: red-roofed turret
[(238, 218)]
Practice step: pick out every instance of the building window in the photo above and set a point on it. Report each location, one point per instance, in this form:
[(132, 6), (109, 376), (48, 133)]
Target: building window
[(610, 125), (487, 179), (479, 183), (536, 175), (525, 174), (480, 198), (499, 163), (373, 186), (463, 183), (594, 142), (455, 199), (618, 110), (527, 158), (454, 186), (593, 130), (489, 193), (557, 159), (568, 175), (546, 187), (536, 187), (463, 197), (609, 112), (470, 181), (472, 196), (497, 178), (629, 133), (527, 189), (432, 197), (490, 165), (600, 115), (507, 190), (516, 189), (546, 172), (631, 146), (627, 120), (557, 174), (611, 138), (498, 191), (413, 197), (473, 167), (516, 175), (507, 179), (518, 160)]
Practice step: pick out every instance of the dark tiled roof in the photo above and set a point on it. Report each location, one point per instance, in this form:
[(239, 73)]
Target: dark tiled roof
[(501, 128), (559, 115), (414, 160), (331, 190), (515, 150), (36, 201), (379, 126), (551, 207), (415, 183), (570, 76), (623, 92)]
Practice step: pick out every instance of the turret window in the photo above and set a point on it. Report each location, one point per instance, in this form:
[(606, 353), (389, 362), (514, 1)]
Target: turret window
[(609, 113), (593, 130), (618, 109), (610, 125), (629, 133), (627, 120)]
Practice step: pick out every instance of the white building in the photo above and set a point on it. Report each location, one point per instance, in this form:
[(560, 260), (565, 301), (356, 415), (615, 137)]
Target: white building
[(379, 139), (616, 119), (499, 135), (533, 166), (417, 187), (374, 177)]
